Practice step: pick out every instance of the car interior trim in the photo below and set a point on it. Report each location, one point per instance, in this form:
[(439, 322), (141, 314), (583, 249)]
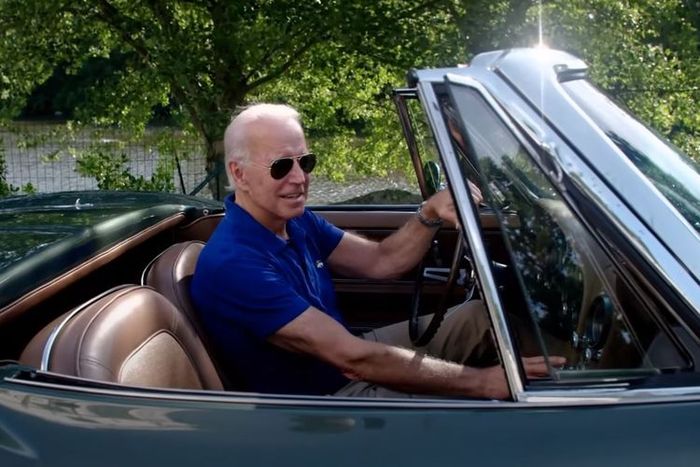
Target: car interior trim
[(71, 276), (200, 229)]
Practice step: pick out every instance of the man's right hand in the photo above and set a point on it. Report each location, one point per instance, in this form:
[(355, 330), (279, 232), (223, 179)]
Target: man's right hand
[(495, 385)]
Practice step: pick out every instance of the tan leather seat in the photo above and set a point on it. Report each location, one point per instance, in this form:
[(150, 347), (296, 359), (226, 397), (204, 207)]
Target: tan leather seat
[(130, 335), (171, 273)]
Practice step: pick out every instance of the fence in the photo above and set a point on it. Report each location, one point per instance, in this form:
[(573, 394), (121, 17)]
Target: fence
[(48, 155), (51, 156)]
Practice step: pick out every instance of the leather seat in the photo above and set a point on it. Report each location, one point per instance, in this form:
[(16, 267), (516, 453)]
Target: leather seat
[(170, 273), (130, 335)]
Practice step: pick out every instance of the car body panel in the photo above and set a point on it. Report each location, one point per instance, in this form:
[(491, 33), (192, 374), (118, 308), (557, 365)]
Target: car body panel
[(78, 429)]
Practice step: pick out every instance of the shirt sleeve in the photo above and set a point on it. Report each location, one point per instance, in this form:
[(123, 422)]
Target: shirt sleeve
[(326, 234)]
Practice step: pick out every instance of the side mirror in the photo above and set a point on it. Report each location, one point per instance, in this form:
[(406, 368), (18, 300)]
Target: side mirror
[(431, 170)]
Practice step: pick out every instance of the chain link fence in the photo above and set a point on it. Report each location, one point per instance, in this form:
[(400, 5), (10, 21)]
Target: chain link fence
[(48, 157)]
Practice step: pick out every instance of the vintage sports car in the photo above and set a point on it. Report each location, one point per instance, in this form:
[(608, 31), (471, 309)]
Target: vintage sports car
[(587, 246)]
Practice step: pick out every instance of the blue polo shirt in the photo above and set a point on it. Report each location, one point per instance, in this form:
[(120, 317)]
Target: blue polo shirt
[(249, 283)]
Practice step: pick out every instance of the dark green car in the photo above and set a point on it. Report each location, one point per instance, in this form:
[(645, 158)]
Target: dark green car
[(587, 246)]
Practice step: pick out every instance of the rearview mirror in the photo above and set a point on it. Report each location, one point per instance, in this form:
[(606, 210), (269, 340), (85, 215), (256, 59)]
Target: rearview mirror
[(431, 170)]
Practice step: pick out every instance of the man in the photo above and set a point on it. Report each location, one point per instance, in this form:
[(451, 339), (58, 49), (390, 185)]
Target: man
[(264, 290)]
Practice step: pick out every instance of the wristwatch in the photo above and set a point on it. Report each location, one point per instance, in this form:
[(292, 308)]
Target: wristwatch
[(431, 223)]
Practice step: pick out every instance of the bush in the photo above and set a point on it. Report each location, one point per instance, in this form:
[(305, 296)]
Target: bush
[(110, 169)]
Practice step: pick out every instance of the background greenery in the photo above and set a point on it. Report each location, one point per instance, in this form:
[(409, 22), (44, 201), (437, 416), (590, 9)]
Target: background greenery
[(191, 63)]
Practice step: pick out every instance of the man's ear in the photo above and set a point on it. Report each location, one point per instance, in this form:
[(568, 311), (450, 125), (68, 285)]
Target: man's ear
[(239, 178)]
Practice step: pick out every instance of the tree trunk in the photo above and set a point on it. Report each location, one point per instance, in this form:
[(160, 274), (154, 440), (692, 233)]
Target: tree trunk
[(216, 171)]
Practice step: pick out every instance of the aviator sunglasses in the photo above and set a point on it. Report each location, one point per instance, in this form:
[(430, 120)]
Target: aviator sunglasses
[(279, 168)]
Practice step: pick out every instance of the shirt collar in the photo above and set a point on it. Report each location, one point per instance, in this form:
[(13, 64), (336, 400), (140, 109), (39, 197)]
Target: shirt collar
[(251, 232)]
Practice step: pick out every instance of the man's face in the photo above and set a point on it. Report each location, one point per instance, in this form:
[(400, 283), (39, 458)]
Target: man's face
[(275, 200)]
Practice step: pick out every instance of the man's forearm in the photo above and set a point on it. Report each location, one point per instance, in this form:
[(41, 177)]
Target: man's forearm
[(402, 250), (407, 371), (315, 333)]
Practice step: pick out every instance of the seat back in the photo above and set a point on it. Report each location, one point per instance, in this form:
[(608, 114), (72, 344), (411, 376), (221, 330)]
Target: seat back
[(130, 335), (170, 273)]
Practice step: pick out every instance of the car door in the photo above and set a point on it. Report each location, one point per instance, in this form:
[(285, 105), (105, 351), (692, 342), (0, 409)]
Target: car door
[(571, 284)]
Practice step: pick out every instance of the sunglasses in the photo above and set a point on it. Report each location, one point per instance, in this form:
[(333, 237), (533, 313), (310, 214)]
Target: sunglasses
[(279, 168)]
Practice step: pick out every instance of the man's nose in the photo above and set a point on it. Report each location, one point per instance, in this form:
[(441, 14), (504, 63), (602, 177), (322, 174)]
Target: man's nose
[(297, 175)]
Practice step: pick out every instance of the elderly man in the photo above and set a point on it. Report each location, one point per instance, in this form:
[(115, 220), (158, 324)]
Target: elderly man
[(264, 290)]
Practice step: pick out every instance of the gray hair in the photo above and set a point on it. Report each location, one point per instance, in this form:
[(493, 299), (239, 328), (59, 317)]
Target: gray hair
[(236, 143)]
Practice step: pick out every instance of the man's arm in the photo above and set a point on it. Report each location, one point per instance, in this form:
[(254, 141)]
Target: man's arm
[(398, 253), (315, 333)]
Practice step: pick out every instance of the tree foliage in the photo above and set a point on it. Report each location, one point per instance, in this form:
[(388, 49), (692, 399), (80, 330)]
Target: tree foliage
[(336, 60), (202, 58), (645, 54)]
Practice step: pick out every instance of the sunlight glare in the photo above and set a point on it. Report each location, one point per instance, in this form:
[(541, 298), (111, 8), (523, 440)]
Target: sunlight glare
[(540, 42)]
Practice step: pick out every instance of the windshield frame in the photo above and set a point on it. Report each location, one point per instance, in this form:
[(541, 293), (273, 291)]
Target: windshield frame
[(661, 164), (557, 156), (472, 228)]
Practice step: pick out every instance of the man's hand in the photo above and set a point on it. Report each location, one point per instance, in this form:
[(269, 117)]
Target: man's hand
[(476, 193), (442, 205), (495, 386)]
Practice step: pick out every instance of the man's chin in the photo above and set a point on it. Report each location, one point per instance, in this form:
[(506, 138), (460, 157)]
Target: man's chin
[(295, 209)]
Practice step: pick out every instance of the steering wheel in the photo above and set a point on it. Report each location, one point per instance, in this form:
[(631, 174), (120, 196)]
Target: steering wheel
[(420, 339)]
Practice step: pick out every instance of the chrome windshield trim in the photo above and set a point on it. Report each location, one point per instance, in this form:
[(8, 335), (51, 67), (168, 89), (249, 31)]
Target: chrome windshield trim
[(399, 97), (472, 230)]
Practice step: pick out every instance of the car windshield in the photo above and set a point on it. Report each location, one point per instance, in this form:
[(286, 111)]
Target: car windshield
[(672, 172), (561, 292)]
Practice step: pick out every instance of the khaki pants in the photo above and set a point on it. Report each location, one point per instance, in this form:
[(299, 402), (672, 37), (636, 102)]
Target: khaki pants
[(463, 337)]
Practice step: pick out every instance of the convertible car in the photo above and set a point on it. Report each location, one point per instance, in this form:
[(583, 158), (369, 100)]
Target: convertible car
[(587, 246)]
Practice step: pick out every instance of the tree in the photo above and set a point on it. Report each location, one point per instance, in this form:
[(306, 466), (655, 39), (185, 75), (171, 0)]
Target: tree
[(204, 57), (334, 59), (644, 53)]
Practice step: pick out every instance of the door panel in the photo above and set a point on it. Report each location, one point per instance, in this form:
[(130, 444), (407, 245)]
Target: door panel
[(41, 425)]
